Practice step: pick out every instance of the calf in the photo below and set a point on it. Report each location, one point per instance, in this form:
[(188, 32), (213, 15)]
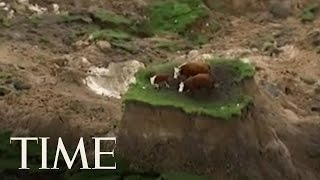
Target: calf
[(191, 69), (198, 81), (160, 79)]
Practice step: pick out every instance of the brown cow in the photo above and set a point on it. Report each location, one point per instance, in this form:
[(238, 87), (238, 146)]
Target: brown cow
[(160, 79), (191, 69), (198, 81)]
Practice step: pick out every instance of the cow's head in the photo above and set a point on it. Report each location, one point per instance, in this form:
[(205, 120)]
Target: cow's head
[(152, 79), (176, 72)]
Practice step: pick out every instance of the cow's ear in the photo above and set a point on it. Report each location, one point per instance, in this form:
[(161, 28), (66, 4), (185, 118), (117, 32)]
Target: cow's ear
[(152, 73)]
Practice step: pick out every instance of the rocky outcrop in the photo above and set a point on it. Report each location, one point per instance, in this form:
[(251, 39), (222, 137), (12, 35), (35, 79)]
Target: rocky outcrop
[(113, 81)]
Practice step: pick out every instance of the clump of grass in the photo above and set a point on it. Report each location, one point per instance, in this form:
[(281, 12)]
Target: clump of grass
[(198, 39), (111, 17), (241, 69), (144, 92), (308, 14), (175, 15), (129, 47), (35, 20), (165, 67), (44, 40), (172, 45), (4, 76), (4, 20), (68, 18), (318, 49), (109, 34)]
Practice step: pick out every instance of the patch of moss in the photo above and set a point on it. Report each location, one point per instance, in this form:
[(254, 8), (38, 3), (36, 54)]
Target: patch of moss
[(175, 15), (108, 34), (318, 49), (106, 16), (69, 18), (198, 39), (172, 45), (4, 20), (44, 40), (307, 16), (241, 69), (129, 47), (36, 20), (268, 45), (218, 5), (144, 92), (308, 13), (5, 76), (158, 68)]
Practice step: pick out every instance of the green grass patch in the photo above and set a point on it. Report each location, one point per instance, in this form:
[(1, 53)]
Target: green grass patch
[(4, 21), (175, 15), (144, 92), (36, 20), (109, 34), (318, 49), (127, 46), (172, 45), (5, 76), (110, 17), (309, 12), (198, 39), (241, 69), (107, 19), (69, 18)]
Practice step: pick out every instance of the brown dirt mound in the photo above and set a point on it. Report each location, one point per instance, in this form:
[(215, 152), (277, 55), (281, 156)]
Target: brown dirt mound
[(168, 139)]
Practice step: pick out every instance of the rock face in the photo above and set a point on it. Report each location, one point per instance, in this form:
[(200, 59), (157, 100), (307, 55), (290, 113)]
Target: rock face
[(167, 139), (114, 80), (170, 139)]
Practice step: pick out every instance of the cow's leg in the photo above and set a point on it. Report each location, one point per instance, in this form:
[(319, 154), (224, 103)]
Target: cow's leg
[(167, 85), (191, 92), (208, 90), (157, 87)]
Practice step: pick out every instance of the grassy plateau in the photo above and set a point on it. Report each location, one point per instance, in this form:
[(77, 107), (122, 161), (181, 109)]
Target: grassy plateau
[(144, 92)]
